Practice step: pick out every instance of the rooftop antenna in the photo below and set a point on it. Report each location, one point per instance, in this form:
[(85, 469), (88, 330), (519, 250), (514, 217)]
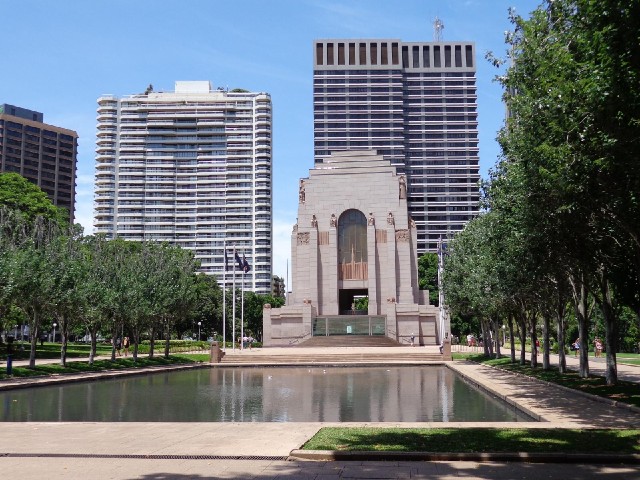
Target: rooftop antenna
[(438, 26)]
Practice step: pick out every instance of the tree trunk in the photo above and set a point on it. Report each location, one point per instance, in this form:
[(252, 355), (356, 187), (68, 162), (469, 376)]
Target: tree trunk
[(136, 341), (522, 324), (94, 344), (534, 339), (114, 337), (485, 338), (496, 335), (583, 329), (611, 372), (64, 330), (560, 308), (167, 339), (34, 331), (546, 347), (152, 341), (512, 339)]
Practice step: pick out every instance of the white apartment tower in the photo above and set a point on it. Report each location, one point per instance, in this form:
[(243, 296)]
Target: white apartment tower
[(191, 167), (416, 104)]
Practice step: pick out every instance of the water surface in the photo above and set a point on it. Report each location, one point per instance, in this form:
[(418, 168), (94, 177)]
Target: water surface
[(274, 394)]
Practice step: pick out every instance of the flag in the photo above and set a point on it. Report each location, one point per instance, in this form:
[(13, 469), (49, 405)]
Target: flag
[(226, 260), (245, 265), (239, 260)]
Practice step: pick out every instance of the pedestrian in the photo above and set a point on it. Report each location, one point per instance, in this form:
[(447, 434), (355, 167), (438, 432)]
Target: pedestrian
[(413, 339), (118, 347), (598, 345), (576, 347), (125, 344)]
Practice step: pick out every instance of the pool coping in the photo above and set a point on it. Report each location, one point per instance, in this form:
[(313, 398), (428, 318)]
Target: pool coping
[(337, 455)]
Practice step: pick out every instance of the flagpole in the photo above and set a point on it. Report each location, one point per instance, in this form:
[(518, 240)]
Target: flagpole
[(242, 311), (224, 298), (233, 296)]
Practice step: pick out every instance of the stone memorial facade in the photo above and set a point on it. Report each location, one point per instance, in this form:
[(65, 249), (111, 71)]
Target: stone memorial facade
[(353, 239)]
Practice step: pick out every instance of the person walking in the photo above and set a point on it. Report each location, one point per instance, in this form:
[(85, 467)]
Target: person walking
[(125, 344), (576, 347), (598, 346)]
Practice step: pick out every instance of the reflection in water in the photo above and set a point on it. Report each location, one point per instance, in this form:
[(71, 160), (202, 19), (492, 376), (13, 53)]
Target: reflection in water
[(276, 394)]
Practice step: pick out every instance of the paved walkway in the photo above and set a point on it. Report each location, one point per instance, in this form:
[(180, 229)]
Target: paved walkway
[(259, 450)]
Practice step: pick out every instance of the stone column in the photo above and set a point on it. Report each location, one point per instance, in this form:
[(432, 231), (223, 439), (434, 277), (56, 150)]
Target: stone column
[(391, 272), (373, 269), (330, 277), (314, 281), (403, 245), (266, 324)]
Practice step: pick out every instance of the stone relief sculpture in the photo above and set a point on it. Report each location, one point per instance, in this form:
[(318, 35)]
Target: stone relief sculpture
[(295, 228), (403, 186), (333, 222), (303, 238), (390, 220), (301, 194), (412, 223), (402, 236), (314, 221)]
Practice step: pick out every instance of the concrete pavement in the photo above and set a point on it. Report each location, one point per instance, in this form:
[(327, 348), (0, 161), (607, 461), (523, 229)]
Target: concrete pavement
[(259, 450)]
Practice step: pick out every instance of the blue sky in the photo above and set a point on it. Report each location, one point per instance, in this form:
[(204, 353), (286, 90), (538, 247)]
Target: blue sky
[(61, 55)]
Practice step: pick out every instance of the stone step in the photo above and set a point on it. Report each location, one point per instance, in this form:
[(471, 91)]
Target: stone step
[(349, 341), (280, 359)]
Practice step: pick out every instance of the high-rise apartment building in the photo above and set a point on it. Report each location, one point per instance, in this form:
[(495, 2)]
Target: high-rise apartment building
[(416, 104), (192, 167), (43, 154)]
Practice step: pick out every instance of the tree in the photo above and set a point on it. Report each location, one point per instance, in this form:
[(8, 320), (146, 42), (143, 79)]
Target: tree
[(428, 276), (20, 195)]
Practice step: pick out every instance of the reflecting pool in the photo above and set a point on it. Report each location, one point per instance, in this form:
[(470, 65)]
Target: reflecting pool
[(274, 394)]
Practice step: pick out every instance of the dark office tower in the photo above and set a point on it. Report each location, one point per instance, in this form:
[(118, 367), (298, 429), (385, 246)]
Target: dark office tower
[(416, 104), (42, 153)]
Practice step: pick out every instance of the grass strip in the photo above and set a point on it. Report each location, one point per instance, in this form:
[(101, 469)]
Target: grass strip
[(626, 392), (476, 440), (120, 363)]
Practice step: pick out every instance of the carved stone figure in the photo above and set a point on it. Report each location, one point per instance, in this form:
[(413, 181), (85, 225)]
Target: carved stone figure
[(390, 220), (403, 186), (301, 194), (412, 223), (333, 222), (295, 228), (314, 221), (372, 220), (267, 306)]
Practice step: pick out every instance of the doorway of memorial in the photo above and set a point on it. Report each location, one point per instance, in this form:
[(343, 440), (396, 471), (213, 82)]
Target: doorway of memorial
[(353, 301)]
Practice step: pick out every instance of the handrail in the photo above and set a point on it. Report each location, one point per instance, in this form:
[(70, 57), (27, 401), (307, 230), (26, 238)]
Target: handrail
[(299, 338)]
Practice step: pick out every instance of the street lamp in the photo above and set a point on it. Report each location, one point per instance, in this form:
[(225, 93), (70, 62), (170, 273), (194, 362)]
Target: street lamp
[(54, 331), (504, 335), (199, 323)]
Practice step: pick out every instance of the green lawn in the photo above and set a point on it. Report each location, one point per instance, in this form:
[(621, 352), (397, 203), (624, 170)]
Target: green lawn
[(101, 365), (629, 358), (52, 350), (626, 392), (476, 440)]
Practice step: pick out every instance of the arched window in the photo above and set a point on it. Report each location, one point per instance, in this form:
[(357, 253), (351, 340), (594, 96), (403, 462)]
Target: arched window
[(352, 245)]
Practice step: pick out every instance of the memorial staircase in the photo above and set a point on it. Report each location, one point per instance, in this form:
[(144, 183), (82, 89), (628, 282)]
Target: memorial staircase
[(336, 350)]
